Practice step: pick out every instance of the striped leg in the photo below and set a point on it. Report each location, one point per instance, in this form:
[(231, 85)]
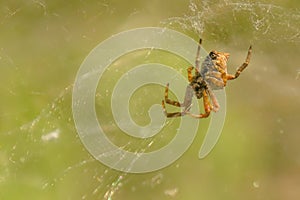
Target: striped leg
[(190, 75), (207, 107), (175, 114), (169, 101), (242, 67), (186, 104)]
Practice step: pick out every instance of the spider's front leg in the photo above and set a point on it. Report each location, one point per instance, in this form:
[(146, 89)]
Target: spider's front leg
[(242, 67)]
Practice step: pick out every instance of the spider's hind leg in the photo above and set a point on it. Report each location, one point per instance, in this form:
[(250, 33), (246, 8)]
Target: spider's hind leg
[(174, 114), (169, 101), (172, 102), (186, 104)]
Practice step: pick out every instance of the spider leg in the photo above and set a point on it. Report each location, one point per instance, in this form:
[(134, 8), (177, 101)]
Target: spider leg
[(242, 67), (214, 82), (186, 104), (169, 101), (214, 100), (207, 107), (197, 62), (190, 75), (174, 114)]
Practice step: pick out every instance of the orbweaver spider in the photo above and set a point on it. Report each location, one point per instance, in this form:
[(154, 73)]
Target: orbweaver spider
[(212, 76)]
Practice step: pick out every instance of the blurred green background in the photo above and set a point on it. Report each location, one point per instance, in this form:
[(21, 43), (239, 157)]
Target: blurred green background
[(42, 45)]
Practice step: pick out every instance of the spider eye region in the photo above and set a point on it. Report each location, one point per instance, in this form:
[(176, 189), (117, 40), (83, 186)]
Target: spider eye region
[(213, 55)]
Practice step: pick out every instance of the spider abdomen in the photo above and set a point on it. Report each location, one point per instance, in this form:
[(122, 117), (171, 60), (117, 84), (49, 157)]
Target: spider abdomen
[(210, 71)]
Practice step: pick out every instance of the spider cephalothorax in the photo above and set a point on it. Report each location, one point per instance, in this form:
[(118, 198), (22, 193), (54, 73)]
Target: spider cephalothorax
[(212, 76)]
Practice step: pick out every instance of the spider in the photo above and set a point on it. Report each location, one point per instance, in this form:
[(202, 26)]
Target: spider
[(212, 76)]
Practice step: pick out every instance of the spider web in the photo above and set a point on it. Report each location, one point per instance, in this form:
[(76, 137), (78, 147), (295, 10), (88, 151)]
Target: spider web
[(52, 130), (263, 21)]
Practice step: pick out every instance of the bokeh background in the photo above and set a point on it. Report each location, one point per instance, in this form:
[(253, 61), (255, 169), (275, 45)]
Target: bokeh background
[(42, 45)]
